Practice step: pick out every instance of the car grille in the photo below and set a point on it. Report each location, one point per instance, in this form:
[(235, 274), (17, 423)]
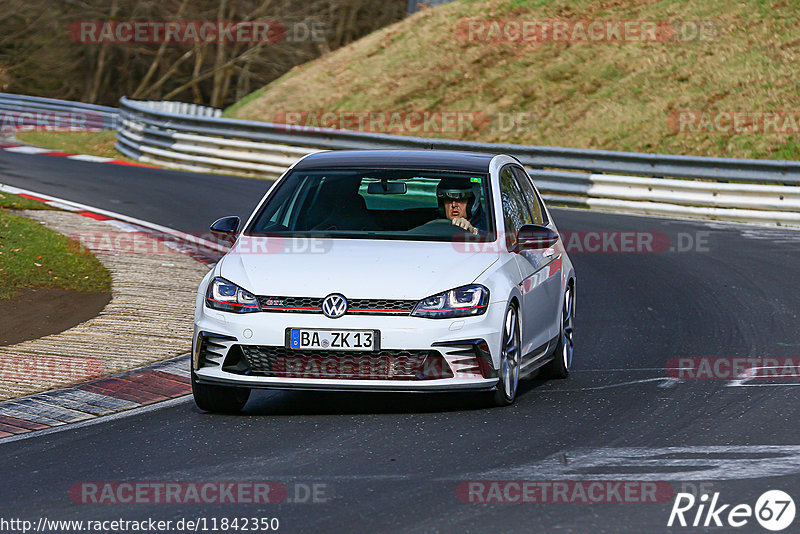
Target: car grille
[(354, 306), (381, 365)]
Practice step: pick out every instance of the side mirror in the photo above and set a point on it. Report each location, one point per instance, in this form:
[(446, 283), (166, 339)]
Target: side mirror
[(534, 237), (225, 228)]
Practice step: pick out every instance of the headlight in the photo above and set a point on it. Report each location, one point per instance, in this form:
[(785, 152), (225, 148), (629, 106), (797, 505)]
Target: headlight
[(459, 302), (226, 296)]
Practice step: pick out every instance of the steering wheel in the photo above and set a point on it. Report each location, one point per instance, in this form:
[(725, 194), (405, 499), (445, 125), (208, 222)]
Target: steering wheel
[(437, 227)]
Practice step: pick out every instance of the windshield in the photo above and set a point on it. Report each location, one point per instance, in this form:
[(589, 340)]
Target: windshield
[(378, 204)]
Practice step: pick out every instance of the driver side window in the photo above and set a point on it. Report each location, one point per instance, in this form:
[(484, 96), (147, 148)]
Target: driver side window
[(515, 209)]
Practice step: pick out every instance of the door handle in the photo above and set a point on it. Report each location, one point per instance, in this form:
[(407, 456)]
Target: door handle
[(548, 253)]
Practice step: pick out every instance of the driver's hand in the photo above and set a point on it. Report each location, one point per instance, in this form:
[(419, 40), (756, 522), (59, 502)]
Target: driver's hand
[(463, 223)]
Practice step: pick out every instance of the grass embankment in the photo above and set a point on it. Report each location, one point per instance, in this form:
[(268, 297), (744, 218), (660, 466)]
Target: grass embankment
[(600, 95), (34, 256), (91, 143)]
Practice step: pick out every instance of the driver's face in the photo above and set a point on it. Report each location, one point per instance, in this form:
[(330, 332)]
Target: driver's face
[(455, 208)]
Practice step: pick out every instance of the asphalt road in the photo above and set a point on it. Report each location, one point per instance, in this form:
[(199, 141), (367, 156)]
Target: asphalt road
[(396, 462), (185, 201)]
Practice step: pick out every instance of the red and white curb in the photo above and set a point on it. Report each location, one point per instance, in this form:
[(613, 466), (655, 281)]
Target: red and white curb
[(132, 389), (126, 224), (118, 220), (27, 149), (127, 391)]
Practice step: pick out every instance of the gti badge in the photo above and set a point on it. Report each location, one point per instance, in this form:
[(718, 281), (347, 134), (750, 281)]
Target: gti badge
[(334, 305)]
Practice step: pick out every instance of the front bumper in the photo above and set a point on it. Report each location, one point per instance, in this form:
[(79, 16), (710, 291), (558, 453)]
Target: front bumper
[(210, 376), (454, 339)]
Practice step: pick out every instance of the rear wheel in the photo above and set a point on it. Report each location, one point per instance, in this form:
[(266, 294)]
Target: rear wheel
[(224, 399), (506, 390), (559, 367)]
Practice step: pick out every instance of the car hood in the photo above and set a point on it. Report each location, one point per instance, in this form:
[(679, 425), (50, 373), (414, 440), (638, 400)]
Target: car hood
[(356, 268)]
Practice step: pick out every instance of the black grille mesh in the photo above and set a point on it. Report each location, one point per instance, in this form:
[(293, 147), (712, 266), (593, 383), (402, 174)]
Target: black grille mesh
[(382, 365), (291, 304), (357, 306), (354, 306)]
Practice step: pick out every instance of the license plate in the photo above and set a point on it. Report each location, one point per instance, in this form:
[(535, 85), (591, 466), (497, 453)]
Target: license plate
[(316, 339)]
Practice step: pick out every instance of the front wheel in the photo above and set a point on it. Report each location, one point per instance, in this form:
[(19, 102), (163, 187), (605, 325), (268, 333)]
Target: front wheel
[(559, 367), (506, 390), (223, 399)]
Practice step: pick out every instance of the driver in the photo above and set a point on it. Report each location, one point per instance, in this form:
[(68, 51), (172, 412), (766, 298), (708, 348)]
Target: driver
[(457, 200)]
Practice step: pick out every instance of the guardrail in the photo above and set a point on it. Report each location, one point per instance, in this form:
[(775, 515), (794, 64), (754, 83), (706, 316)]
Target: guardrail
[(21, 112), (181, 108), (755, 191)]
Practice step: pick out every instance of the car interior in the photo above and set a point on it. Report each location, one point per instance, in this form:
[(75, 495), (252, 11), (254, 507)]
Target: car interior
[(346, 202)]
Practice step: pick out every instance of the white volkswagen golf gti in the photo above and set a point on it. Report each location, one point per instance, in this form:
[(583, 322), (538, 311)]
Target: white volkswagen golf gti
[(381, 270)]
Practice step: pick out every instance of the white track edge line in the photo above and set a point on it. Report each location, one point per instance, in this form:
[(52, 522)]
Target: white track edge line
[(152, 226)]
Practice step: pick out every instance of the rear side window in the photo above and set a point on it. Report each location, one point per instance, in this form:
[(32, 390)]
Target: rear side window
[(531, 198), (515, 209)]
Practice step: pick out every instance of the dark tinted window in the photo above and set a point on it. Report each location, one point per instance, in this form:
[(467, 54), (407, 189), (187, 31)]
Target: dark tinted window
[(515, 210), (531, 198), (371, 203)]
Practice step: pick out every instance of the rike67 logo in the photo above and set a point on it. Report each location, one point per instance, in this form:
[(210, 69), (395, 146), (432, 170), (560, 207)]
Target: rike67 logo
[(774, 510)]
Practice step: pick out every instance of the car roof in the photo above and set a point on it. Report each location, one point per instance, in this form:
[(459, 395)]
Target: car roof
[(397, 159)]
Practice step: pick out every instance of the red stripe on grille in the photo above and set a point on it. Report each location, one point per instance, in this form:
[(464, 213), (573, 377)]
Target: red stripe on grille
[(380, 311), (289, 308)]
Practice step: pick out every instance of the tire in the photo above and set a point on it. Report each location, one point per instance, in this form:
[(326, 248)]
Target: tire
[(562, 361), (506, 391), (222, 399)]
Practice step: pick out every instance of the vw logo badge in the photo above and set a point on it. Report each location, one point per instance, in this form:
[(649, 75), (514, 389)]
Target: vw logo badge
[(334, 306)]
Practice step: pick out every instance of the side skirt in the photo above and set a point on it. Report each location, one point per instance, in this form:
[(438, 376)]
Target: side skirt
[(537, 358)]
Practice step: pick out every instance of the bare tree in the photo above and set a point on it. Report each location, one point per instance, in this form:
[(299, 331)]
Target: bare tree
[(39, 56)]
